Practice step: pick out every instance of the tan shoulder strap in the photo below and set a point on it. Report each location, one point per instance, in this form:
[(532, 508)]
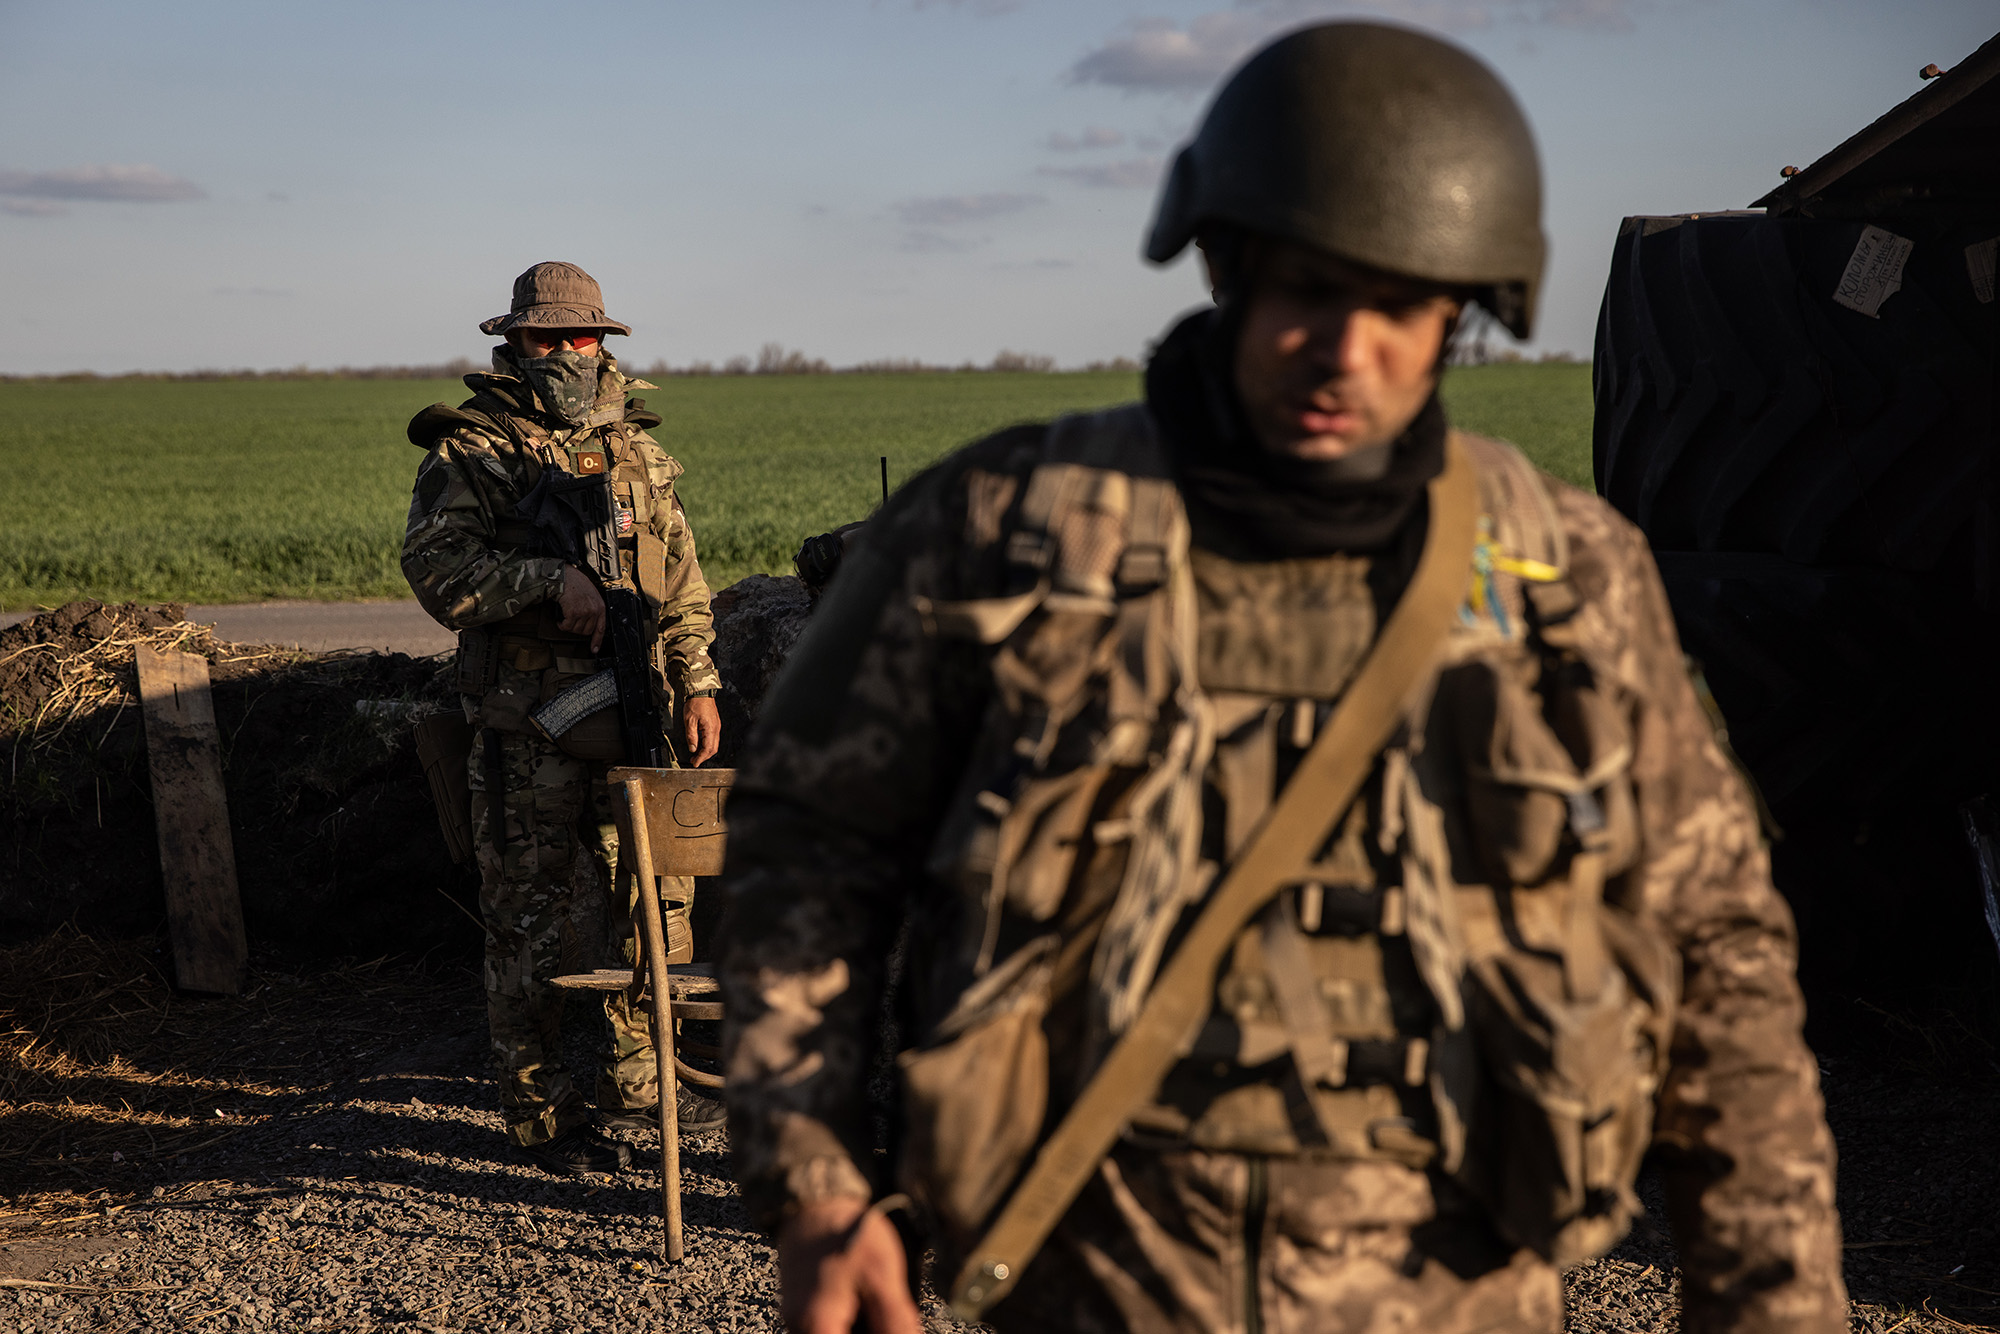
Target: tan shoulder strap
[(1280, 853)]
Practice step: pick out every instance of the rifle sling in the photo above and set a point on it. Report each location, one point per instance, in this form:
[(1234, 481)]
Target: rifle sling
[(1280, 853)]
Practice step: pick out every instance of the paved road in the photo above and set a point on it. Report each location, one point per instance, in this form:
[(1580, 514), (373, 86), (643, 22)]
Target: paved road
[(399, 627)]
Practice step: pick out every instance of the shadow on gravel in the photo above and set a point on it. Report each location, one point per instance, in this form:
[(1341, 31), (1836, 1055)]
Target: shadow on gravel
[(1913, 1096), (322, 1153), (328, 1146)]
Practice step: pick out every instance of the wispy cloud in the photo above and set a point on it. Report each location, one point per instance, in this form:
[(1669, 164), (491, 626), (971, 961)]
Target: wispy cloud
[(981, 7), (1134, 174), (31, 208), (924, 242), (1094, 136), (1157, 55), (957, 210), (1590, 15), (140, 184)]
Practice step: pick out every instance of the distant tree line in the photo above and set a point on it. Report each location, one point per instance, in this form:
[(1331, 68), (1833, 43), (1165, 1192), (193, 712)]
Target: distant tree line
[(1473, 344), (771, 359), (442, 371), (777, 359)]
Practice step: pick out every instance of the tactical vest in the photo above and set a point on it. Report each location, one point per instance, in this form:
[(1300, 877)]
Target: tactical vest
[(533, 641), (1457, 991)]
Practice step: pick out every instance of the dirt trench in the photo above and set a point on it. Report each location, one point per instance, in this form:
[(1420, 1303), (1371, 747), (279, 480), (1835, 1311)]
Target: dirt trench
[(337, 849)]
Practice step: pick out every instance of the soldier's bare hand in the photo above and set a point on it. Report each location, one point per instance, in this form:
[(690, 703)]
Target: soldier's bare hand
[(830, 1271), (703, 725), (582, 607)]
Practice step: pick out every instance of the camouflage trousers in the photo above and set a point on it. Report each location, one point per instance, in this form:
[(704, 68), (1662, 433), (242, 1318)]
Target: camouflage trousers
[(556, 808), (1190, 1242)]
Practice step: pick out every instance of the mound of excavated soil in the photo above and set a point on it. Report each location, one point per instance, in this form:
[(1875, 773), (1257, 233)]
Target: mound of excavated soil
[(336, 839), (757, 621), (337, 844)]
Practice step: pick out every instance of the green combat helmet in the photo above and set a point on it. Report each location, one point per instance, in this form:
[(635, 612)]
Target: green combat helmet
[(1377, 144)]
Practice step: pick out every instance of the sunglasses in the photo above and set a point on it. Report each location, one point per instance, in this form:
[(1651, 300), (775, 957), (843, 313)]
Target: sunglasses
[(579, 339)]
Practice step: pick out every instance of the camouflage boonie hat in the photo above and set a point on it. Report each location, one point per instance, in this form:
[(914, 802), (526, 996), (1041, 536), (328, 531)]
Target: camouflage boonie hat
[(554, 295)]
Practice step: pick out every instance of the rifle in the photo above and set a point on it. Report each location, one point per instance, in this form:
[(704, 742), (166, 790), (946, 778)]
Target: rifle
[(576, 518), (632, 660)]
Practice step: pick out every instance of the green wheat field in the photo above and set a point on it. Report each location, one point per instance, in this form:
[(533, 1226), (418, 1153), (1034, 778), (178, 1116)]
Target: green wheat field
[(234, 491)]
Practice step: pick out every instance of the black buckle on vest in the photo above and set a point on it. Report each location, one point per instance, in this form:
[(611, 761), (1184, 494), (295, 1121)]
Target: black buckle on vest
[(1141, 569), (1030, 550)]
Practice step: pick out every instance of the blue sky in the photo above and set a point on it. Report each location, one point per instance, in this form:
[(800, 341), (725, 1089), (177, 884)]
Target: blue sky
[(214, 184)]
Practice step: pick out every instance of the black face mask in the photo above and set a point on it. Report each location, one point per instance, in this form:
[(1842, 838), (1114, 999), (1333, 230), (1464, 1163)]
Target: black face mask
[(566, 382), (1245, 501)]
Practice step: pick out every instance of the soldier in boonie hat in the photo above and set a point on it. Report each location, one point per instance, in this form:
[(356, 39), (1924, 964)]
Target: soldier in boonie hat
[(532, 620)]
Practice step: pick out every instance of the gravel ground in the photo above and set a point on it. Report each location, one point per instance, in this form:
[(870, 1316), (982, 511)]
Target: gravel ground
[(323, 1154), (354, 1177)]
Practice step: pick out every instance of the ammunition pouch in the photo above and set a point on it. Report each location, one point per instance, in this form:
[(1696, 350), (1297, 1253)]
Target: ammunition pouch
[(964, 1147), (476, 669), (1572, 1061), (1569, 997)]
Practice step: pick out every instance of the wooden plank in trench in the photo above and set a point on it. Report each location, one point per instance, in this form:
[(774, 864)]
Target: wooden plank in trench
[(191, 813)]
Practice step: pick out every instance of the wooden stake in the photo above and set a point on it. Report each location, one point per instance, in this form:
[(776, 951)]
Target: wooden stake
[(648, 908), (191, 814)]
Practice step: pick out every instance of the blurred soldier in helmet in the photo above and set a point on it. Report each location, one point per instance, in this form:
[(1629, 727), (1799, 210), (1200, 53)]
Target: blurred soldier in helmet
[(1318, 883), (487, 559)]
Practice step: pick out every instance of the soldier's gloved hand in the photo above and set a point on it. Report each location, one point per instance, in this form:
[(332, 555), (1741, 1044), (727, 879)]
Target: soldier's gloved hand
[(582, 607), (831, 1271), (703, 725)]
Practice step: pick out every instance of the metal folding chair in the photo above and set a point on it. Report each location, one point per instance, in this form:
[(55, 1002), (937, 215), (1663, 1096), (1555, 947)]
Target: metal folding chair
[(671, 823)]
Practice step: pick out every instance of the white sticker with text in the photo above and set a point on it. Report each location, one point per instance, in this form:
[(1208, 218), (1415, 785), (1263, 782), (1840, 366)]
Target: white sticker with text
[(1874, 271), (1979, 264)]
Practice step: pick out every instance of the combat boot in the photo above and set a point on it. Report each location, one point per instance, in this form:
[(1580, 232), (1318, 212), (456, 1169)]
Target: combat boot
[(578, 1150), (692, 1110)]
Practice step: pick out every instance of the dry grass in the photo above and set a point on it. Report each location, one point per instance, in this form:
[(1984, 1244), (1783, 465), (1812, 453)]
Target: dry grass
[(100, 674)]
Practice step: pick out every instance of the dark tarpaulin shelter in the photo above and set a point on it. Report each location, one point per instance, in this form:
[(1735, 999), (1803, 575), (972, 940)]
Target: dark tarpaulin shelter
[(1797, 404)]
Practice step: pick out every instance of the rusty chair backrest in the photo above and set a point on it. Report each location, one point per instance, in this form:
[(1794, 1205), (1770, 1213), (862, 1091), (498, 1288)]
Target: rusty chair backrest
[(684, 816)]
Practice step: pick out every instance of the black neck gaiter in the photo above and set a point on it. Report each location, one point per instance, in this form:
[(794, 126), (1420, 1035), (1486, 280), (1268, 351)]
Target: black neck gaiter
[(1245, 502)]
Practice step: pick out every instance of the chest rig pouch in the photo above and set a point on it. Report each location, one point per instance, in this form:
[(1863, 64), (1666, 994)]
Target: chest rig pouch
[(1516, 825)]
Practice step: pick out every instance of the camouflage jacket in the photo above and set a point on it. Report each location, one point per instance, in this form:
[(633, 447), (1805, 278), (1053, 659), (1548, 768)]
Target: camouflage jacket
[(876, 741), (486, 456)]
